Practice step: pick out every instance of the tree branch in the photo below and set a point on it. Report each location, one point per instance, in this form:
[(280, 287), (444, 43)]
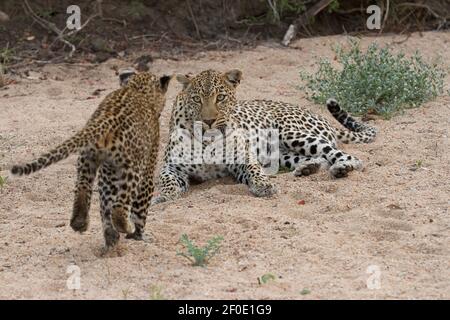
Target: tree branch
[(52, 27), (303, 20)]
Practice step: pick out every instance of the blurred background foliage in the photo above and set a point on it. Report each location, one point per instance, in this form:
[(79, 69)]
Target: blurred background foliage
[(183, 25)]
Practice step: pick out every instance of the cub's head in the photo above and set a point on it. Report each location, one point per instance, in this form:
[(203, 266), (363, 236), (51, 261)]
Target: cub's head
[(210, 93), (153, 87)]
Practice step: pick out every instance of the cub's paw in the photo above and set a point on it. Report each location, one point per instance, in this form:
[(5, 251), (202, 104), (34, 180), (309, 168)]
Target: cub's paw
[(79, 223), (80, 214), (111, 239), (121, 221)]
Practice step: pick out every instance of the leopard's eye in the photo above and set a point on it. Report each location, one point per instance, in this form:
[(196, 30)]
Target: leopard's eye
[(220, 97), (196, 99)]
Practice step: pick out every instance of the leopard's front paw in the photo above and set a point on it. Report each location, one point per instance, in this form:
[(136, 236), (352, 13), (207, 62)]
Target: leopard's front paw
[(264, 189), (159, 199), (167, 194)]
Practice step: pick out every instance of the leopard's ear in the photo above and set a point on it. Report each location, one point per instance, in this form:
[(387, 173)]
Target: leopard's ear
[(164, 82), (184, 79), (125, 75), (233, 77)]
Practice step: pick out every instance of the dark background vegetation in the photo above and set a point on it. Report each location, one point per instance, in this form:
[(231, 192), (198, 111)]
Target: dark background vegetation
[(172, 27)]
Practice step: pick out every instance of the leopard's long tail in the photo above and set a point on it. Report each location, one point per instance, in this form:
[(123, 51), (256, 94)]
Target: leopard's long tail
[(64, 150), (357, 132)]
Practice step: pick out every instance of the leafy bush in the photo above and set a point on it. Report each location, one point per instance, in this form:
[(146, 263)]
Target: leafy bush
[(200, 256), (375, 81)]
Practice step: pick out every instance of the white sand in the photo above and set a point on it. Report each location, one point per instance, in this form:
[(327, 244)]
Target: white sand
[(387, 215)]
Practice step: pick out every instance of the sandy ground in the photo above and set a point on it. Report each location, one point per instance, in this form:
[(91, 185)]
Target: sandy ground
[(392, 216)]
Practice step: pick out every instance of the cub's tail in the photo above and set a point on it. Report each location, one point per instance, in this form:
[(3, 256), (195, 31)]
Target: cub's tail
[(357, 132), (72, 145)]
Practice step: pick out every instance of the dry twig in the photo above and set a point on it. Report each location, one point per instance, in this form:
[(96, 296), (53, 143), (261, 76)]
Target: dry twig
[(303, 19), (443, 19), (197, 30), (385, 17), (52, 27)]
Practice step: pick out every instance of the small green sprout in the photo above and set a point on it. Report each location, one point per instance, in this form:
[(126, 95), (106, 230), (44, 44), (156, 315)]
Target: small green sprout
[(199, 256), (305, 291), (3, 181), (265, 278), (155, 293)]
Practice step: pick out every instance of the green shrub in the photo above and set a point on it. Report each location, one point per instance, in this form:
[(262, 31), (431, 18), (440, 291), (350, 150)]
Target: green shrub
[(377, 80), (199, 256)]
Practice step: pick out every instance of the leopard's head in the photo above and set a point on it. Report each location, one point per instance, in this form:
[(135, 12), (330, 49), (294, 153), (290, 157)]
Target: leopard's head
[(210, 93), (152, 86)]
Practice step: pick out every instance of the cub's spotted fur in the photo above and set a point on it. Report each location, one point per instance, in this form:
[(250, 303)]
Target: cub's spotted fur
[(120, 141)]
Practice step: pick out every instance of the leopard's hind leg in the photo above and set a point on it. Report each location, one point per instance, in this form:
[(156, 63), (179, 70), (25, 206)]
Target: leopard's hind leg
[(302, 165), (86, 172), (127, 185), (108, 194), (340, 163), (141, 204), (343, 163)]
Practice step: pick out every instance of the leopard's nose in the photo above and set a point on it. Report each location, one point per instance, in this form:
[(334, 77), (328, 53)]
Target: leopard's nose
[(209, 122)]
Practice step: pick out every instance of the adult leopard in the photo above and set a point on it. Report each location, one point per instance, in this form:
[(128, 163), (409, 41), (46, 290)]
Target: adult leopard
[(307, 141)]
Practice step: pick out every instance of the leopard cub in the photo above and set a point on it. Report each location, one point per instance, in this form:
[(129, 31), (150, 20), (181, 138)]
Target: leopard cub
[(120, 141)]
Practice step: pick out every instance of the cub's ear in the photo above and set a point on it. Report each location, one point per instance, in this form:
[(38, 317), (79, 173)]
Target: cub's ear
[(233, 77), (125, 75), (164, 82), (184, 79)]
